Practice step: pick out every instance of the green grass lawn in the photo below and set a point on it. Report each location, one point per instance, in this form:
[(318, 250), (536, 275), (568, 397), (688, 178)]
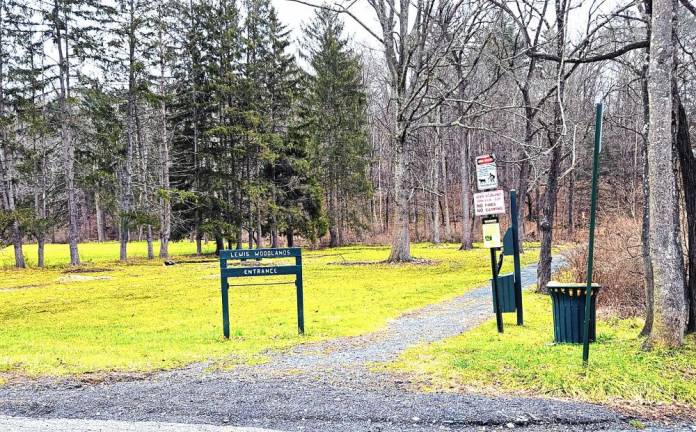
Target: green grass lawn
[(90, 253), (145, 316), (523, 359)]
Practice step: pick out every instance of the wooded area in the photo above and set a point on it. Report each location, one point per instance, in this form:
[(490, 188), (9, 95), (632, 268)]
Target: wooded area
[(170, 119)]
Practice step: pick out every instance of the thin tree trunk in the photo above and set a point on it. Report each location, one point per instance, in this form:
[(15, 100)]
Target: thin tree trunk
[(100, 217), (687, 162), (435, 187), (60, 25), (401, 241), (333, 203), (547, 218), (554, 137), (148, 239), (648, 280), (467, 221), (445, 197), (40, 251), (571, 198)]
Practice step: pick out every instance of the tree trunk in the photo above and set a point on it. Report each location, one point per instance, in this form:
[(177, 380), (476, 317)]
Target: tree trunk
[(199, 235), (333, 232), (148, 240), (665, 248), (435, 188), (648, 280), (165, 202), (99, 216), (40, 251), (571, 197), (555, 140), (445, 196), (290, 237), (547, 217), (467, 221), (687, 162), (401, 241), (68, 146)]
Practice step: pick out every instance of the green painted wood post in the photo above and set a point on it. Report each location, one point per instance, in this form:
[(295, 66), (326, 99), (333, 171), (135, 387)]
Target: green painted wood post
[(516, 257), (496, 296), (593, 216), (300, 295), (225, 288)]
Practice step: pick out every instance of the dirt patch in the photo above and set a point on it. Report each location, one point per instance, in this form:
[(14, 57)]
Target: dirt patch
[(80, 278), (86, 270), (22, 287), (415, 261)]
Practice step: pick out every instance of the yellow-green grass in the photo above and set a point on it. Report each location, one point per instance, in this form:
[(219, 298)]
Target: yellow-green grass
[(59, 254), (524, 360), (145, 316)]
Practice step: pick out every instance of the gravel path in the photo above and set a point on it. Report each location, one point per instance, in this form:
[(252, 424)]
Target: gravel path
[(325, 386)]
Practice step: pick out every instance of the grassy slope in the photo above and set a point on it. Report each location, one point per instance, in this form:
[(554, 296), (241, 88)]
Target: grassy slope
[(523, 359), (146, 316)]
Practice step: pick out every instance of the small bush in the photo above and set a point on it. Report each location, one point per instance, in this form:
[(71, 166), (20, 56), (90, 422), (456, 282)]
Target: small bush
[(618, 267)]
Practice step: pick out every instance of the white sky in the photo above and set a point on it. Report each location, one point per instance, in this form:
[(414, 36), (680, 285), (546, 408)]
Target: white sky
[(294, 15)]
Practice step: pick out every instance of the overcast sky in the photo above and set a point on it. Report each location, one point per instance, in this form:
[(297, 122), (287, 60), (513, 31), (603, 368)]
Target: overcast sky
[(294, 15)]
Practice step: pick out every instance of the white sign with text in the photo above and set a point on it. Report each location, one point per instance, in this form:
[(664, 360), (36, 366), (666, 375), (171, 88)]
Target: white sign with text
[(489, 203)]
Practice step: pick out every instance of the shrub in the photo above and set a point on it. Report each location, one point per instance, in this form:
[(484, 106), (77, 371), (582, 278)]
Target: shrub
[(618, 267)]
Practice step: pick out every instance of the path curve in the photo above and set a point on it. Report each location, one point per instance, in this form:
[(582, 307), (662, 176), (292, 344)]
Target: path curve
[(323, 386)]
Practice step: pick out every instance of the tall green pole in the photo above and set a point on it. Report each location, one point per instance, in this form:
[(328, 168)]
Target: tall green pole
[(593, 216)]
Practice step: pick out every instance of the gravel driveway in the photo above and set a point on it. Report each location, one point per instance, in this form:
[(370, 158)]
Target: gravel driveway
[(325, 386)]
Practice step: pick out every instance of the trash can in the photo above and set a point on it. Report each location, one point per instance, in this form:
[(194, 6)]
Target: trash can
[(506, 293), (568, 300)]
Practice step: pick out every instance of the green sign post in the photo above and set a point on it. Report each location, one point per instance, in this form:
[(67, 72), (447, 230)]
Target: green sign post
[(259, 254), (514, 232), (593, 215)]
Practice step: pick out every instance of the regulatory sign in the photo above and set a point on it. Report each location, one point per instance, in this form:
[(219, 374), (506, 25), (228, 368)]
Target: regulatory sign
[(486, 172), (489, 203)]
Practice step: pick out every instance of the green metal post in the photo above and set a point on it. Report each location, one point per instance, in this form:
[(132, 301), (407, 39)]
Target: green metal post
[(516, 257), (593, 215), (300, 295), (224, 286), (496, 297)]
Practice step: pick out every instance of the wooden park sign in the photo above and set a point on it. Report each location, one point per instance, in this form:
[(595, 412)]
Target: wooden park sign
[(246, 271)]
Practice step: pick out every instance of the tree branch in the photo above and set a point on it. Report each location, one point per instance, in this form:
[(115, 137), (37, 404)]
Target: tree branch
[(608, 56), (343, 10)]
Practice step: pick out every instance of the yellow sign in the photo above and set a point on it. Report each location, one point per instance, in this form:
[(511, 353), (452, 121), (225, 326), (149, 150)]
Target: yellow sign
[(491, 234)]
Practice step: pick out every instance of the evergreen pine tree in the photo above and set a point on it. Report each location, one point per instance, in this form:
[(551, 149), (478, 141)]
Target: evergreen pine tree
[(336, 104)]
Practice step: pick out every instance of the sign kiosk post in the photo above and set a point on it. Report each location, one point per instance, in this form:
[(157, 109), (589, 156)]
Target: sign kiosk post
[(491, 240), (489, 203), (514, 229)]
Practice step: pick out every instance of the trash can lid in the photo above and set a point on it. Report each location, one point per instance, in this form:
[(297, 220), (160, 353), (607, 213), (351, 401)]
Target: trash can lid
[(556, 284)]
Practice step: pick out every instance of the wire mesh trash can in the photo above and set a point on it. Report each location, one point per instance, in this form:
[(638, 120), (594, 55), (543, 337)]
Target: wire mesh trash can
[(568, 301), (506, 293)]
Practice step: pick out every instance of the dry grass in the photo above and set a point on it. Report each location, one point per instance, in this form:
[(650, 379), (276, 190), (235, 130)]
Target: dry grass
[(618, 267)]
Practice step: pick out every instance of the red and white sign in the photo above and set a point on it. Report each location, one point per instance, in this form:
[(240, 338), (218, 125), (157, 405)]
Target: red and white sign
[(486, 172), (489, 203)]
